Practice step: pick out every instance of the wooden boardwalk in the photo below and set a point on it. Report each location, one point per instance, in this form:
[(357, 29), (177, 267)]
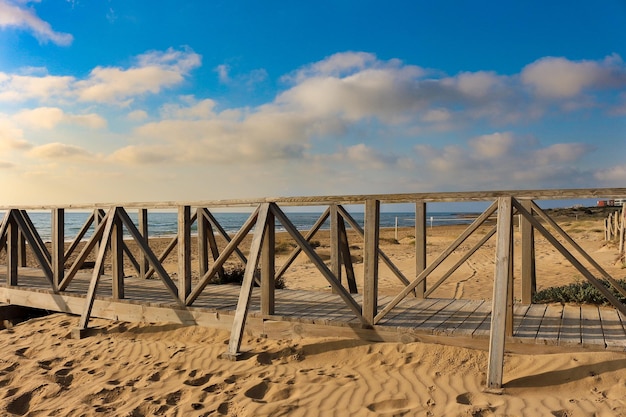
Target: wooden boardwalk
[(459, 322)]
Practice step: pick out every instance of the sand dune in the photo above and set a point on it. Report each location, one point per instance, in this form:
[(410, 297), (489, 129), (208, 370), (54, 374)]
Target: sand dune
[(144, 370)]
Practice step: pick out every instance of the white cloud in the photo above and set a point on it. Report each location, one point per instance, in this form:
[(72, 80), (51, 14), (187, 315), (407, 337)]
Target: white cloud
[(560, 78), (335, 65), (495, 145), (50, 117), (58, 150), (222, 73), (11, 137), (14, 14), (18, 88), (368, 157), (503, 159), (191, 109), (155, 71), (614, 176), (562, 152), (137, 116)]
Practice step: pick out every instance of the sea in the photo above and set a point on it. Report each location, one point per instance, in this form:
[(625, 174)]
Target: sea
[(164, 224)]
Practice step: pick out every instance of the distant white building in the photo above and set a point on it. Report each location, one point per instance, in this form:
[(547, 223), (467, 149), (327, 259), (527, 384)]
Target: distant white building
[(619, 201)]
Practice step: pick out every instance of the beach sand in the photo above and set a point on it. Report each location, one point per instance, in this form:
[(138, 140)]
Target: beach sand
[(132, 369)]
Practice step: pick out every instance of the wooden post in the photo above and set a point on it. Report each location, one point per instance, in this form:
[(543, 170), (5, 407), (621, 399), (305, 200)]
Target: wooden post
[(21, 250), (420, 246), (370, 260), (245, 293), (268, 267), (58, 247), (203, 248), (346, 257), (144, 265), (499, 308), (80, 331), (335, 254), (117, 258), (184, 252), (12, 248), (529, 278), (621, 231)]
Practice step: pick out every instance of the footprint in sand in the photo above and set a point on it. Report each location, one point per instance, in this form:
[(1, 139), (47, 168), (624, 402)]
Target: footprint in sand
[(20, 352), (20, 405), (63, 377), (480, 404), (258, 391), (196, 382), (398, 405)]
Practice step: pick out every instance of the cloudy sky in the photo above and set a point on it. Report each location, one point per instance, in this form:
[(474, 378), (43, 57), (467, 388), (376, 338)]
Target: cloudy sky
[(128, 100)]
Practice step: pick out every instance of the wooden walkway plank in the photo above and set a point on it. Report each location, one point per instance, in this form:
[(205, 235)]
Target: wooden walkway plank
[(441, 317), (528, 328), (591, 326), (519, 311), (548, 333), (475, 320), (570, 333), (429, 314), (404, 313), (458, 317), (484, 328), (614, 335)]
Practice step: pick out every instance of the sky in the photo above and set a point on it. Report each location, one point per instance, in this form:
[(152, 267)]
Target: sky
[(140, 101)]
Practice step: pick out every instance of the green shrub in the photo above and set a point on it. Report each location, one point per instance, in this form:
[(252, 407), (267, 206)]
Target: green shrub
[(579, 292), (235, 276)]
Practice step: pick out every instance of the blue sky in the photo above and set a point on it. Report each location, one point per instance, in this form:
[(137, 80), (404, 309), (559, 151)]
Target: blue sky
[(107, 100)]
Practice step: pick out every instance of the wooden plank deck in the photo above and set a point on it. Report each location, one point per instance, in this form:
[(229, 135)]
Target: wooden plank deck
[(300, 312)]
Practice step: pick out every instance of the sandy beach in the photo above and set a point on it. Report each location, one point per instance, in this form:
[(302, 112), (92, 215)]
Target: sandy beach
[(131, 369)]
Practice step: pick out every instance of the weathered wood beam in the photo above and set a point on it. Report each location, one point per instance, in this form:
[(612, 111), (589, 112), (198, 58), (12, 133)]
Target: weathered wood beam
[(143, 246), (166, 252), (21, 250), (219, 262), (43, 257), (370, 260), (355, 226), (243, 304), (142, 220), (420, 246), (346, 257), (117, 258), (203, 248), (184, 252), (318, 262), (499, 310), (335, 255), (529, 274), (37, 241), (268, 266), (551, 194), (58, 247), (79, 236), (461, 261), (224, 234), (308, 236), (453, 246), (95, 277), (11, 244), (91, 244)]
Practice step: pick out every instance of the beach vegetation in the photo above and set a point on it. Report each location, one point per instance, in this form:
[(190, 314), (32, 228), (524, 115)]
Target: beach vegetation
[(582, 292), (234, 275)]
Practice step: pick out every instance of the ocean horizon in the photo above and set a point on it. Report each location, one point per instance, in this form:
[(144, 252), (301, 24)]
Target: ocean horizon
[(165, 224)]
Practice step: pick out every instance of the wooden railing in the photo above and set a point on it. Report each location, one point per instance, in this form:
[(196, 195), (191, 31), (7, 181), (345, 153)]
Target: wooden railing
[(107, 225)]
